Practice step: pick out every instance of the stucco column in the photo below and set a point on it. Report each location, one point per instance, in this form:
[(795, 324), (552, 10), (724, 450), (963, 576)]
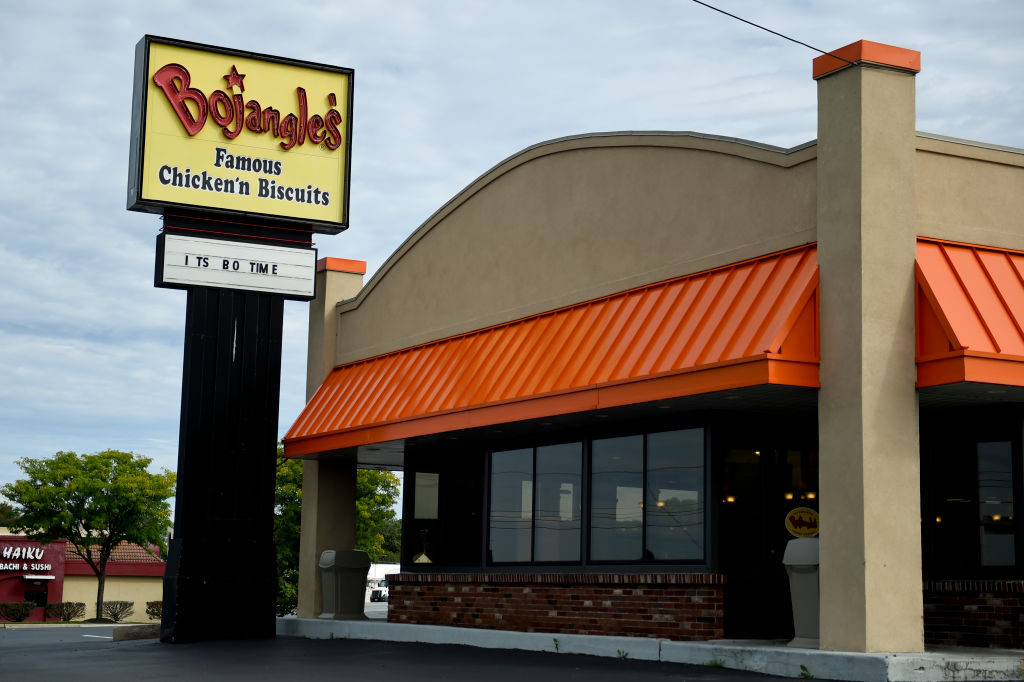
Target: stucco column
[(328, 485), (870, 544)]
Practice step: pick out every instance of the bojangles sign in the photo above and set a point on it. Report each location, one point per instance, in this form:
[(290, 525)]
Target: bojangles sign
[(232, 131)]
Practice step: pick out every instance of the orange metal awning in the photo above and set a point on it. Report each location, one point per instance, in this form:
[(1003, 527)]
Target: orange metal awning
[(970, 314), (747, 324)]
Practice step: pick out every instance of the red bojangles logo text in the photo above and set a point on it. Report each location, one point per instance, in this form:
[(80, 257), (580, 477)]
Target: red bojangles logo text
[(233, 114)]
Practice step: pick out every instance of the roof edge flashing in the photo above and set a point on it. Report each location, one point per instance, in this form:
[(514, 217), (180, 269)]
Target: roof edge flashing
[(869, 54)]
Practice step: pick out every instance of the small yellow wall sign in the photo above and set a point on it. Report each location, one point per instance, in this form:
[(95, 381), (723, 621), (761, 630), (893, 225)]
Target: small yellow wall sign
[(802, 522)]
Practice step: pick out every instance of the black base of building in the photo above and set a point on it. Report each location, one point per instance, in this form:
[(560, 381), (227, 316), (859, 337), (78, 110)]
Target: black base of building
[(221, 579)]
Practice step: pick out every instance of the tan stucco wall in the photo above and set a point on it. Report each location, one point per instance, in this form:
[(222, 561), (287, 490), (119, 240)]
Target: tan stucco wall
[(576, 219), (869, 477), (331, 286), (139, 589), (970, 193)]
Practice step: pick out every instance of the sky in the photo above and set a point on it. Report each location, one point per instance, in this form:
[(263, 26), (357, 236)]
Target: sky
[(91, 352)]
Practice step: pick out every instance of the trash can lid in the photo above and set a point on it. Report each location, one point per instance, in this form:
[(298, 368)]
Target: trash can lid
[(801, 552), (344, 558), (326, 559)]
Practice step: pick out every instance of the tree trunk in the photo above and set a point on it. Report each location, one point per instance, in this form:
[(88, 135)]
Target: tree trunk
[(101, 578)]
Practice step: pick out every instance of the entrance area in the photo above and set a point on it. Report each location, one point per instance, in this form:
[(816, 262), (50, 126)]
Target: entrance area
[(762, 478)]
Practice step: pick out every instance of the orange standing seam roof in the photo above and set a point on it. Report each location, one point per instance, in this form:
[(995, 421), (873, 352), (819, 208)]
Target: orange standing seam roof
[(970, 314), (750, 323)]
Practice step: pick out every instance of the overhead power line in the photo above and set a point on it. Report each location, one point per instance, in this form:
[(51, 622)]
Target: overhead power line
[(763, 28)]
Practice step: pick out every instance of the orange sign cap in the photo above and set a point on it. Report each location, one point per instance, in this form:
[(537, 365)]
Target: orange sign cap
[(867, 52)]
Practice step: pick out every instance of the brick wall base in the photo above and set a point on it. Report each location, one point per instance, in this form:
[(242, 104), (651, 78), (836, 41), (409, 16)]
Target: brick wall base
[(977, 613), (678, 606)]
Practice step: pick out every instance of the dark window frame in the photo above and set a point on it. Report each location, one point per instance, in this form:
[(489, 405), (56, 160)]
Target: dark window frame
[(586, 440), (949, 446)]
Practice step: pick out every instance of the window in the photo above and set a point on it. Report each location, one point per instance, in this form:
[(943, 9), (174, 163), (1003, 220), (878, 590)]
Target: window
[(511, 505), (995, 503), (542, 526), (443, 502), (971, 484), (559, 503), (616, 508), (648, 497), (426, 496), (675, 495), (643, 499)]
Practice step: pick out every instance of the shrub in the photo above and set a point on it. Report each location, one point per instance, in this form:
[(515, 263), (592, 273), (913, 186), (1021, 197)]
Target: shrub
[(65, 610), (16, 611), (118, 610), (155, 610)]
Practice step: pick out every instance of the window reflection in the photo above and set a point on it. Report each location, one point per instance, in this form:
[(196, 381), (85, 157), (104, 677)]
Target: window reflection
[(425, 497), (616, 503), (511, 514), (559, 504), (645, 493), (675, 495), (995, 503)]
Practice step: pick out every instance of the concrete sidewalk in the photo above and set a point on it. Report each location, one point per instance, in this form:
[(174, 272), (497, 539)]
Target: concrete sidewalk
[(772, 658)]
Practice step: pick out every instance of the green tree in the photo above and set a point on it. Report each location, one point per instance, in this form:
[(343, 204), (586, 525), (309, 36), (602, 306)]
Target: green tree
[(7, 514), (94, 502), (392, 541), (376, 494), (378, 532), (287, 524)]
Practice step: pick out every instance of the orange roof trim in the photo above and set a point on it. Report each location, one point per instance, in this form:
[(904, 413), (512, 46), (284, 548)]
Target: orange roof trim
[(341, 265), (865, 51), (970, 314), (750, 323)]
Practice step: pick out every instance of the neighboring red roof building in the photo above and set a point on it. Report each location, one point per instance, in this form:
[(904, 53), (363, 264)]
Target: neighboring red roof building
[(33, 572), (125, 551), (126, 559)]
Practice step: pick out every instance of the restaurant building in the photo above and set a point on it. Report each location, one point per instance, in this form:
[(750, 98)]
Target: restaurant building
[(618, 367), (51, 573)]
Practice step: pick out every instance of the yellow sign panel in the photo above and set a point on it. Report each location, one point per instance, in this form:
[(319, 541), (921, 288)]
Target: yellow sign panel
[(802, 522), (233, 131)]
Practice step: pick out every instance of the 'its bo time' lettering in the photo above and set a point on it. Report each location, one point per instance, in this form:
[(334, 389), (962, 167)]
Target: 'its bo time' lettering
[(255, 267)]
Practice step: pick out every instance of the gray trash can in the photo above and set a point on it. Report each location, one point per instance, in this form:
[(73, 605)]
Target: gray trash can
[(343, 579), (801, 561)]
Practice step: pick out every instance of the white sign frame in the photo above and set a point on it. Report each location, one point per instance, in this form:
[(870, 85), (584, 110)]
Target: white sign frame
[(183, 262)]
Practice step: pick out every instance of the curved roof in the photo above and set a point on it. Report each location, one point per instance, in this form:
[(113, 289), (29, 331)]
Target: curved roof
[(734, 146)]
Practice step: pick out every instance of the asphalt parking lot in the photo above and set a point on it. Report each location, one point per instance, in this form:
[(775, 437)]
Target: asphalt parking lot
[(89, 653)]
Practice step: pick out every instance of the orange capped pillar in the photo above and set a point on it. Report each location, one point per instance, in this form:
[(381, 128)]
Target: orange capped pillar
[(328, 486), (870, 545)]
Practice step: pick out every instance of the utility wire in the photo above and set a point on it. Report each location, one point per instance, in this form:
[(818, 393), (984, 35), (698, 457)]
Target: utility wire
[(792, 40)]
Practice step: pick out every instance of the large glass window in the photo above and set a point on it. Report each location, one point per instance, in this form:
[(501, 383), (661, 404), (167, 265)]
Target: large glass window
[(511, 505), (647, 498), (642, 494), (546, 520), (675, 495), (559, 504), (617, 498), (971, 483), (995, 502), (441, 520)]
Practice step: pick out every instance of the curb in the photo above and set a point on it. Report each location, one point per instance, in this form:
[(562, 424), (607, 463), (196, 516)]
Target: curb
[(771, 658)]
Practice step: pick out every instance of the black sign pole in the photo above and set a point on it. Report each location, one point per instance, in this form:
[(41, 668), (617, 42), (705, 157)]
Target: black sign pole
[(221, 580)]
